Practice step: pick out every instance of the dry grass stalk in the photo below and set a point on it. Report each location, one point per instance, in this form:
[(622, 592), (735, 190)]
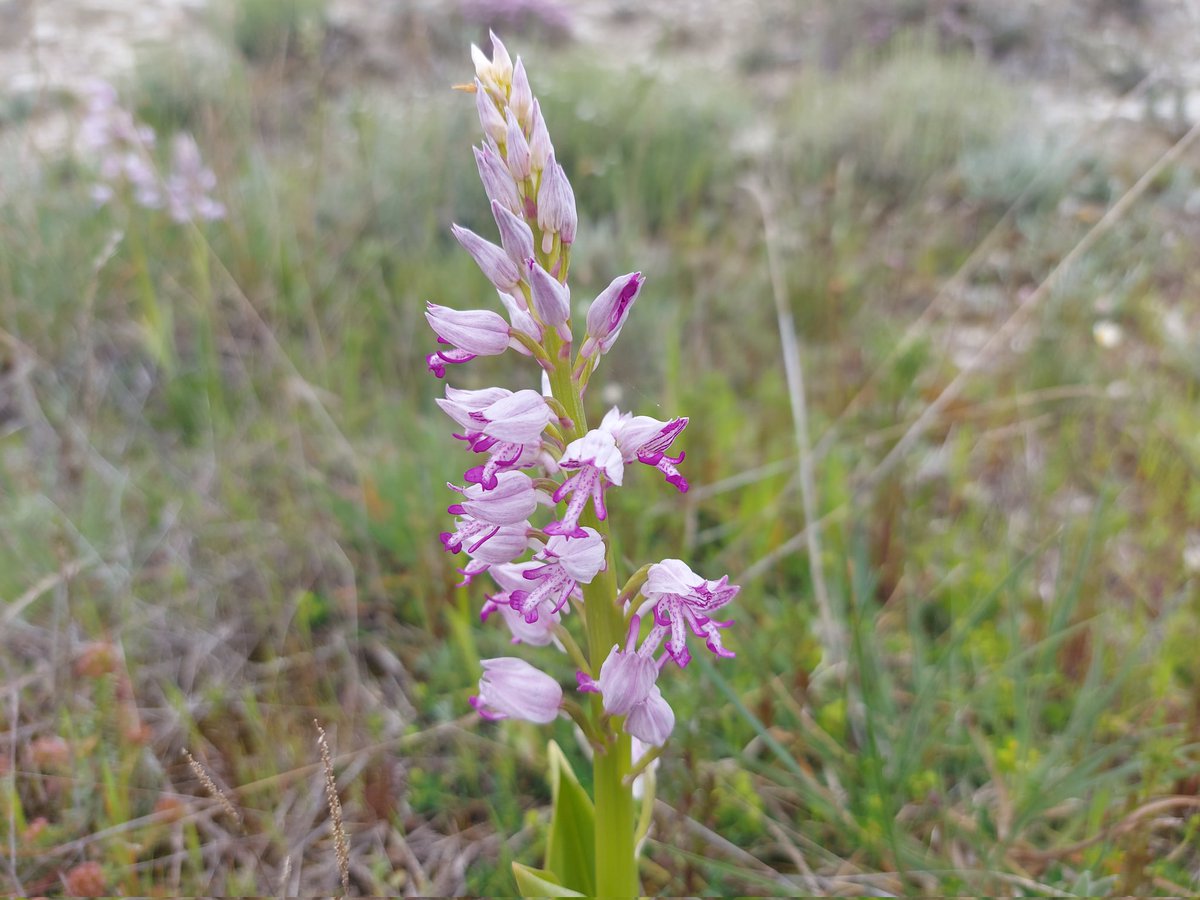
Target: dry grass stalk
[(211, 786), (341, 846)]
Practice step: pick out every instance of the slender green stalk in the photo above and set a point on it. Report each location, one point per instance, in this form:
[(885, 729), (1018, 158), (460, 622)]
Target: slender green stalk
[(616, 865), (156, 318), (209, 353)]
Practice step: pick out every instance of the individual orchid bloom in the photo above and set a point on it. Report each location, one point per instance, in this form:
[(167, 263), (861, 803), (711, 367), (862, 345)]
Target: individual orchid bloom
[(497, 181), (597, 463), (682, 599), (512, 500), (519, 418), (551, 298), (556, 206), (502, 457), (470, 333), (190, 184), (510, 577), (538, 633), (567, 563), (513, 689), (627, 688), (508, 426), (515, 234), (516, 148), (608, 312), (647, 440), (490, 117), (495, 73), (459, 403), (486, 544), (510, 430), (484, 415), (492, 260)]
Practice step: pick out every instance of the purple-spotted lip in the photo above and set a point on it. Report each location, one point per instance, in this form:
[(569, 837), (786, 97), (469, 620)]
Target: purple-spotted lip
[(560, 528)]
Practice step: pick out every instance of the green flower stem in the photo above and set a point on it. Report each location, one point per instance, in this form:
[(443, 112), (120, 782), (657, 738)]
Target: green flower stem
[(209, 352), (156, 318), (572, 648), (616, 866), (635, 583)]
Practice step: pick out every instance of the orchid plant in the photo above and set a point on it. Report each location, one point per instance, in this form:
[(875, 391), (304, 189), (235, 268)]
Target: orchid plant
[(557, 582)]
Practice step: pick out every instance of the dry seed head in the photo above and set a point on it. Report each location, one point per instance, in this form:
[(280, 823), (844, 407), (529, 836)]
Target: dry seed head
[(211, 786), (341, 846)]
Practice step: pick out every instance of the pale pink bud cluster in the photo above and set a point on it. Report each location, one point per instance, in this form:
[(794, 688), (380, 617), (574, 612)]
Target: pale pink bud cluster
[(191, 184), (122, 149), (535, 457)]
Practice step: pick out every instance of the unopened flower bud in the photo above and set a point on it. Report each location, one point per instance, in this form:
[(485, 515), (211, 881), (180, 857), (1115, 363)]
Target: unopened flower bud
[(497, 181), (608, 313), (471, 333), (492, 260), (516, 148), (520, 99), (625, 680), (496, 73), (489, 116), (556, 205), (551, 298), (515, 234), (478, 331), (519, 418), (540, 148), (512, 688), (512, 500)]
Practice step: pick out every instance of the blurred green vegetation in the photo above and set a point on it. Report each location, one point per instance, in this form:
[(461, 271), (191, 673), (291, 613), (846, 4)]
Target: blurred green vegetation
[(249, 553)]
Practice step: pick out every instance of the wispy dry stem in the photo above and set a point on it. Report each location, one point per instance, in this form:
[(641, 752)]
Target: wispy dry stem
[(211, 786), (832, 638), (341, 846)]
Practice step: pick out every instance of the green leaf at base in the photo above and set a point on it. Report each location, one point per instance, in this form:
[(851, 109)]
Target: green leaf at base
[(571, 846), (539, 883)]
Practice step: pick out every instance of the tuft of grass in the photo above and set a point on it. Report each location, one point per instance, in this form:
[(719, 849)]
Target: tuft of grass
[(901, 119), (650, 151), (266, 29)]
